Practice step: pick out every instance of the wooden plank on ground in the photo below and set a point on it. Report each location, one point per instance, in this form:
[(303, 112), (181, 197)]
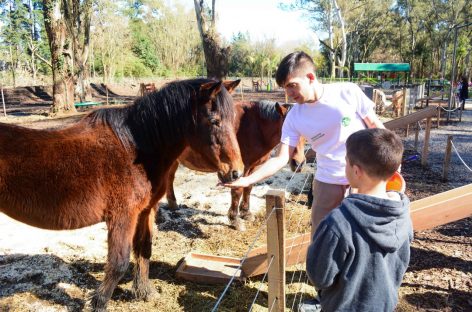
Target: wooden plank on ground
[(209, 269), (295, 252)]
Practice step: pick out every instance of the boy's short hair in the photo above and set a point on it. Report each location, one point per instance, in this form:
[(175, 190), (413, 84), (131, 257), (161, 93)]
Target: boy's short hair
[(377, 151), (292, 63)]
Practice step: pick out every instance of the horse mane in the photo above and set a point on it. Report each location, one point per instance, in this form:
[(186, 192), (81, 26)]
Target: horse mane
[(160, 118), (267, 110)]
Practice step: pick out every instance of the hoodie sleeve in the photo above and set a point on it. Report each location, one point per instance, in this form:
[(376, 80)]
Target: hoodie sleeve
[(325, 257)]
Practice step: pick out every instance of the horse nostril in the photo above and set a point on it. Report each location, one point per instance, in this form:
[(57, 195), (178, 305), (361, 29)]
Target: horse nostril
[(235, 174)]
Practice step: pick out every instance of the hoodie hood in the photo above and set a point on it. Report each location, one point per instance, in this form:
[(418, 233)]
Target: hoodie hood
[(386, 222)]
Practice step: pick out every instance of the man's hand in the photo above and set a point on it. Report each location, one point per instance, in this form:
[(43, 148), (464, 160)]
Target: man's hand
[(241, 182), (267, 169)]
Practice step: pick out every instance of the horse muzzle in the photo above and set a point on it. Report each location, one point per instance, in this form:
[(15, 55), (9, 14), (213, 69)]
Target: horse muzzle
[(229, 176)]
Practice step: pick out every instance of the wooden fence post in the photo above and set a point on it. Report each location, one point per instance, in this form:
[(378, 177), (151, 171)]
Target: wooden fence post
[(406, 100), (424, 155), (275, 199), (106, 88), (447, 158), (417, 134), (439, 114), (3, 101)]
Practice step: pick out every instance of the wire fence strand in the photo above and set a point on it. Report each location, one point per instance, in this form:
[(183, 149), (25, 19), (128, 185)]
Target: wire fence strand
[(259, 232), (215, 308), (260, 285), (449, 110), (458, 155)]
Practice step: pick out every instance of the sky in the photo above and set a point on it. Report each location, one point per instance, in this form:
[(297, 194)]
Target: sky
[(262, 19)]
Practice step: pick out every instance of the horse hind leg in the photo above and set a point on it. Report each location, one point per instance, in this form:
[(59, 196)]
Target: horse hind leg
[(142, 247), (120, 234), (234, 220), (244, 211), (171, 200)]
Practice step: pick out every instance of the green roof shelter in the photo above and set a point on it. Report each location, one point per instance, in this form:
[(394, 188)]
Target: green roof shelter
[(382, 67), (387, 67)]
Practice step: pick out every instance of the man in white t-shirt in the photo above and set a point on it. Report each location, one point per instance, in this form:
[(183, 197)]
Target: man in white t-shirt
[(326, 115)]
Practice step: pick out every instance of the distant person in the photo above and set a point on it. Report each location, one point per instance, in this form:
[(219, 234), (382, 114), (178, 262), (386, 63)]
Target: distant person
[(361, 250), (325, 114), (463, 91)]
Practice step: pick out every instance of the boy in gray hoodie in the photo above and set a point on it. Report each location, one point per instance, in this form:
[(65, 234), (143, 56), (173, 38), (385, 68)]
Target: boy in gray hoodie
[(361, 250)]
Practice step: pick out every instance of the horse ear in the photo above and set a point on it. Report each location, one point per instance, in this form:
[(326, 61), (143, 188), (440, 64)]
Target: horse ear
[(211, 89), (282, 110), (231, 85)]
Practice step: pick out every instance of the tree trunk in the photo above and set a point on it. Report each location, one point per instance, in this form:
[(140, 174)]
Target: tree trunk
[(63, 92), (67, 24), (216, 57), (332, 54), (12, 68), (13, 60), (342, 59), (32, 46), (61, 58), (83, 91), (81, 52), (33, 67)]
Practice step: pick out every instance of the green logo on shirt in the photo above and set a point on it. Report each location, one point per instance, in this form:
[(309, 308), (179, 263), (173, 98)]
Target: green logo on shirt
[(345, 121)]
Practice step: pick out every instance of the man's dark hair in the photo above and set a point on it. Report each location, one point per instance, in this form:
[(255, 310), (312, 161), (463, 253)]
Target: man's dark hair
[(290, 64), (377, 151)]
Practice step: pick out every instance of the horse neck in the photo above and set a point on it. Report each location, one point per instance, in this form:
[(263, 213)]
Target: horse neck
[(256, 136), (166, 131), (271, 131), (151, 136)]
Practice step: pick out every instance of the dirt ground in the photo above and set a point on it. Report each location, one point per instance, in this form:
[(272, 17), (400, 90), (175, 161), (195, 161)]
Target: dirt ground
[(55, 271)]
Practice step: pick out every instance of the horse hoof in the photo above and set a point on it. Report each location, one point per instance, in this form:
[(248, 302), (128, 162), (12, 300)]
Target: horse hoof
[(235, 223), (147, 293), (95, 303), (172, 204), (247, 216), (238, 225)]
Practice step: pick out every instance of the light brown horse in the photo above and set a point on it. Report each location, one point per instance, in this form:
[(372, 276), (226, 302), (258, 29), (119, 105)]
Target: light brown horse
[(258, 127), (397, 102), (112, 166)]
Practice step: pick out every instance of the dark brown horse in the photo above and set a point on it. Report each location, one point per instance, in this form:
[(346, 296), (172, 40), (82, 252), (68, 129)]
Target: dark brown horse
[(258, 127), (112, 166)]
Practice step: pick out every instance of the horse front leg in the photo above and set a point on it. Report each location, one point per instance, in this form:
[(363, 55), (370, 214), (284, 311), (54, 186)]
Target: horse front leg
[(171, 200), (142, 247), (120, 236), (244, 211), (234, 221)]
